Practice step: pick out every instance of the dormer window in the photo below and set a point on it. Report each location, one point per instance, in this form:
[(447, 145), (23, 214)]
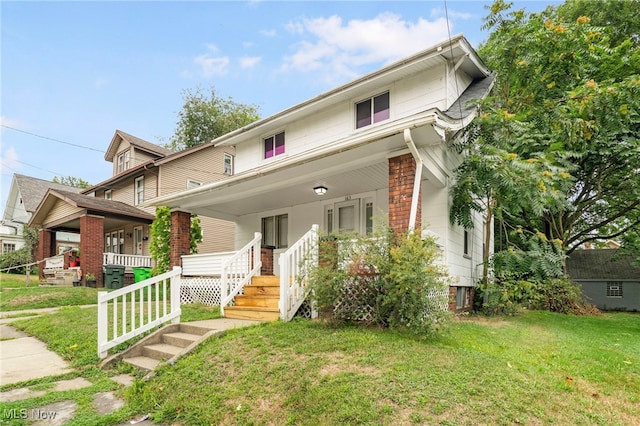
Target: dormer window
[(274, 145), (372, 110), (124, 161)]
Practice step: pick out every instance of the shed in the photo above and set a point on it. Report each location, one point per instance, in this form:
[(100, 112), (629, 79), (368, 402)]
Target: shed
[(609, 278)]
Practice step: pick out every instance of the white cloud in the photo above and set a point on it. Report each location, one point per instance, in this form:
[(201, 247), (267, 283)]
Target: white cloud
[(10, 122), (210, 66), (340, 48), (9, 159), (249, 61), (269, 33)]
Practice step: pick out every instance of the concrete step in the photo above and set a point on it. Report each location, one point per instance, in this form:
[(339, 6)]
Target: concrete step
[(252, 313), (180, 339), (160, 351), (193, 329), (142, 362), (257, 301)]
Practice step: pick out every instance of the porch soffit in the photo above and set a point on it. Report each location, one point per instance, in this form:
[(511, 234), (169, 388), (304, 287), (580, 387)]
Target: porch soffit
[(356, 170)]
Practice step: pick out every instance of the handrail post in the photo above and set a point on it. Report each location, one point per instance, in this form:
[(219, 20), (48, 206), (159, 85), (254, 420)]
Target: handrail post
[(284, 293), (102, 322), (175, 294)]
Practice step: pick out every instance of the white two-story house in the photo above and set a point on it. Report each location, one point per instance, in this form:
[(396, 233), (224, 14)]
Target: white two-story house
[(376, 147)]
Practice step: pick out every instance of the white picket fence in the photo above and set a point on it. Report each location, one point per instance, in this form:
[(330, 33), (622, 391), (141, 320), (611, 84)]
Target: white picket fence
[(133, 310)]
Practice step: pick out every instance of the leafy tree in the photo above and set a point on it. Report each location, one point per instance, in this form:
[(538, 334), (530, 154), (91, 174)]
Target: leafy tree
[(574, 90), (620, 18), (76, 182), (160, 244), (204, 118)]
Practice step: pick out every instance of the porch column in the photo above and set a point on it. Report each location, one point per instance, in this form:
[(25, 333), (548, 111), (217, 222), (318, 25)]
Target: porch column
[(46, 247), (402, 172), (91, 247), (180, 240)]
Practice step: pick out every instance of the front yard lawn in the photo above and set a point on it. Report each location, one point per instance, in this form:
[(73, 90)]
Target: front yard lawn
[(537, 368)]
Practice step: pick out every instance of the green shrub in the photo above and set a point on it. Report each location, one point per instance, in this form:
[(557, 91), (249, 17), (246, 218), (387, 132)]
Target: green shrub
[(13, 261), (383, 279)]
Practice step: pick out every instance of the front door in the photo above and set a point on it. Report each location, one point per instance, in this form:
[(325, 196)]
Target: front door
[(137, 240)]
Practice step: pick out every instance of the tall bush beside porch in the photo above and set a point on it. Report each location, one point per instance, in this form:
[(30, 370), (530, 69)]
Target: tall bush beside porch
[(388, 279)]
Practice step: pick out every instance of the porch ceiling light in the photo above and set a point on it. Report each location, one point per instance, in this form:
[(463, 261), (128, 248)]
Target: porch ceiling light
[(320, 190)]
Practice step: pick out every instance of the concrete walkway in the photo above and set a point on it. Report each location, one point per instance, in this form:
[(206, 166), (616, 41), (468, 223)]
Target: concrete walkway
[(23, 358)]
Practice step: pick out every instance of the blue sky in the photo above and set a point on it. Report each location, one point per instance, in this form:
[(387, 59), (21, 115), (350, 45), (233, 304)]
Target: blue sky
[(74, 72)]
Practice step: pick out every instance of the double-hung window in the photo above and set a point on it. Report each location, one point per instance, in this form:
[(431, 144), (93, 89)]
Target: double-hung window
[(372, 110), (108, 194), (274, 145), (124, 161), (139, 190), (275, 230)]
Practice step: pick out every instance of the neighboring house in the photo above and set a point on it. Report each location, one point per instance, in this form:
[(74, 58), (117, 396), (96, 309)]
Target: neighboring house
[(374, 148), (24, 196), (609, 279), (113, 223)]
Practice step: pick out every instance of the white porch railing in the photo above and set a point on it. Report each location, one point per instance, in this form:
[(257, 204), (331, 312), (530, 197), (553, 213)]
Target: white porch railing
[(238, 270), (126, 260), (122, 315), (294, 269), (206, 264), (54, 262)]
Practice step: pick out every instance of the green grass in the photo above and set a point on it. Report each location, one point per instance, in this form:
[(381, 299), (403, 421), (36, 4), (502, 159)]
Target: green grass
[(538, 368), (17, 280), (13, 299)]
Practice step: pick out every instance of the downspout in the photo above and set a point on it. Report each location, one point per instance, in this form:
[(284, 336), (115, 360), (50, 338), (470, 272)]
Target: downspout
[(416, 182)]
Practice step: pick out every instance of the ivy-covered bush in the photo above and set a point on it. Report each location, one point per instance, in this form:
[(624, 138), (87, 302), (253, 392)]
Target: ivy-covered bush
[(160, 244), (385, 279)]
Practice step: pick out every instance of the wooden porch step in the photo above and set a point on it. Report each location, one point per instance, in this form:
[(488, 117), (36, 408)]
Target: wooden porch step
[(260, 301), (252, 313), (266, 281), (260, 290)]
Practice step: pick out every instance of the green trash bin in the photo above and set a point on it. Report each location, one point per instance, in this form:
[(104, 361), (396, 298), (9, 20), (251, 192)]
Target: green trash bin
[(113, 276), (141, 274)]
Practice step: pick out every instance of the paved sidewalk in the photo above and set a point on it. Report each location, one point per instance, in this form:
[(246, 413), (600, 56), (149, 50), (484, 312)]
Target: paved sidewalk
[(23, 358)]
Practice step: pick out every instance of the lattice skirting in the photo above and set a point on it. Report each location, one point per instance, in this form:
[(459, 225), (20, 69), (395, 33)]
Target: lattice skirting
[(205, 290)]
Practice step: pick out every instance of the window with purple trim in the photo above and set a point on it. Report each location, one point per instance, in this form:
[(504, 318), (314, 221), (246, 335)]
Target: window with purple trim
[(372, 110), (274, 145)]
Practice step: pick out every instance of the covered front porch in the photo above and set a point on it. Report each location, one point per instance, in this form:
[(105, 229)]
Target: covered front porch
[(111, 233)]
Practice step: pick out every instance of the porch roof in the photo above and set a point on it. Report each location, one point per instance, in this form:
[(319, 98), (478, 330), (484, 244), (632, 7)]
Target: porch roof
[(357, 163), (114, 212)]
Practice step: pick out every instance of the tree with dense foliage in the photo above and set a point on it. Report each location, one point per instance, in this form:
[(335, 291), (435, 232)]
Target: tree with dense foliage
[(76, 182), (573, 97), (204, 118)]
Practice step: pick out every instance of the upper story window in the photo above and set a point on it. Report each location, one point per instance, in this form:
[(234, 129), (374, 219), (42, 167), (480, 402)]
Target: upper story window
[(139, 190), (124, 161), (193, 184), (228, 163), (372, 110), (274, 145), (466, 244), (108, 194)]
